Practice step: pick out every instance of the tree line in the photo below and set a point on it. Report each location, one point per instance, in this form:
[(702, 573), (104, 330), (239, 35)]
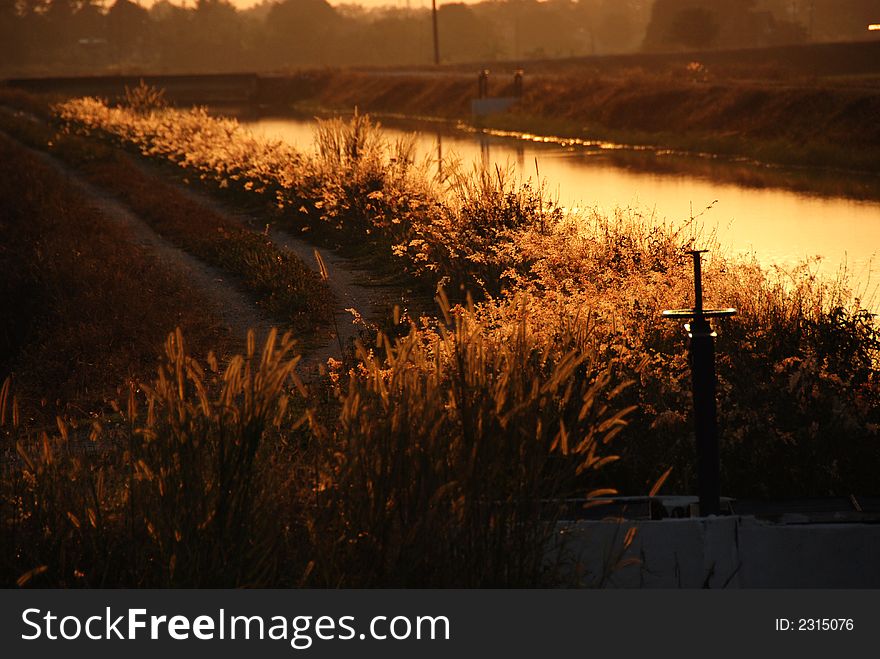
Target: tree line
[(39, 37)]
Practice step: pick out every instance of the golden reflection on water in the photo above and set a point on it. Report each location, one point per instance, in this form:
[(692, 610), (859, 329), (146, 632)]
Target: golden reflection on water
[(781, 216)]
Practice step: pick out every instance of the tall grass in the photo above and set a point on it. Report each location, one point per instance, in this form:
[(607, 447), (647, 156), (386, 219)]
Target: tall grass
[(144, 98), (457, 433), (797, 367), (177, 492), (434, 468)]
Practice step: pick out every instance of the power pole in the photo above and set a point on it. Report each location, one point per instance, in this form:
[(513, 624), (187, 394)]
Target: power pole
[(436, 39)]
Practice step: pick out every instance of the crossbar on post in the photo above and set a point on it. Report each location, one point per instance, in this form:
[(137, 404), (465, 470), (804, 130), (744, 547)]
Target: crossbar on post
[(703, 385)]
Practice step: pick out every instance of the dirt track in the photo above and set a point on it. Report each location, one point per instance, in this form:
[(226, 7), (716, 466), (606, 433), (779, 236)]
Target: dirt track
[(346, 281), (237, 310)]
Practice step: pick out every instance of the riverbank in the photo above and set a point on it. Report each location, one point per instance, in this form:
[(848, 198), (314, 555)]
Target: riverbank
[(808, 106), (595, 281), (554, 377), (812, 125), (811, 105)]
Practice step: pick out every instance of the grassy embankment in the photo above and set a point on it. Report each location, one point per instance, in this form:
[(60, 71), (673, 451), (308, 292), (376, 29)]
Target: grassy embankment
[(798, 364), (442, 441), (279, 282), (810, 113), (427, 468), (85, 307)]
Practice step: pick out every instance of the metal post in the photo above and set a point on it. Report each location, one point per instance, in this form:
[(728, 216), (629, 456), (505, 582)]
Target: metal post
[(702, 361), (483, 84), (436, 38), (702, 354), (698, 280)]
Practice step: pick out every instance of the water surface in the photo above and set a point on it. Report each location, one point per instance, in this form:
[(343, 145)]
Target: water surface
[(782, 216)]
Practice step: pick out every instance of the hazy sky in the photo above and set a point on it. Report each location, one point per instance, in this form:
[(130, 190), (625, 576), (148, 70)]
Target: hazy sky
[(241, 4), (366, 3)]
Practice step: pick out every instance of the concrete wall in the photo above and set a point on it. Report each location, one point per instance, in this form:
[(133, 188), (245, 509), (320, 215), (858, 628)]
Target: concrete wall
[(726, 552), (481, 107)]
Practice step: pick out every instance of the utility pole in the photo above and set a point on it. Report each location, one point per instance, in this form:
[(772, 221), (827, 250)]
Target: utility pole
[(812, 11), (436, 38)]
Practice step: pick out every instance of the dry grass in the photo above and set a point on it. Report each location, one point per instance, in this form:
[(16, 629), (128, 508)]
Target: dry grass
[(277, 279), (456, 432), (237, 475), (177, 490), (480, 232), (85, 307), (433, 469)]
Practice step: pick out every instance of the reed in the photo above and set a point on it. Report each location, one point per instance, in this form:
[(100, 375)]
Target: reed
[(454, 449), (177, 489), (798, 392), (439, 466)]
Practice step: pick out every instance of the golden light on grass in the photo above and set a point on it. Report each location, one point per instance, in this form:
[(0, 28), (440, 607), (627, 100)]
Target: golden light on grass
[(443, 451), (576, 274)]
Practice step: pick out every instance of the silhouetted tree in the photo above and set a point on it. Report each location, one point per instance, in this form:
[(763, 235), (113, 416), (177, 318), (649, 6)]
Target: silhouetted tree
[(463, 36), (38, 37), (170, 35), (302, 32), (59, 20), (610, 26), (837, 20), (543, 29), (701, 24), (10, 31), (386, 35), (127, 25), (90, 20), (694, 27), (620, 25), (216, 36)]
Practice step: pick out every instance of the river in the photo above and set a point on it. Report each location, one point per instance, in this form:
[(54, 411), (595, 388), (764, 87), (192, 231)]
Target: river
[(780, 215)]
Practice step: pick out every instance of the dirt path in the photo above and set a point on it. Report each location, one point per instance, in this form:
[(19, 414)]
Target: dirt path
[(236, 310), (357, 302), (351, 285)]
